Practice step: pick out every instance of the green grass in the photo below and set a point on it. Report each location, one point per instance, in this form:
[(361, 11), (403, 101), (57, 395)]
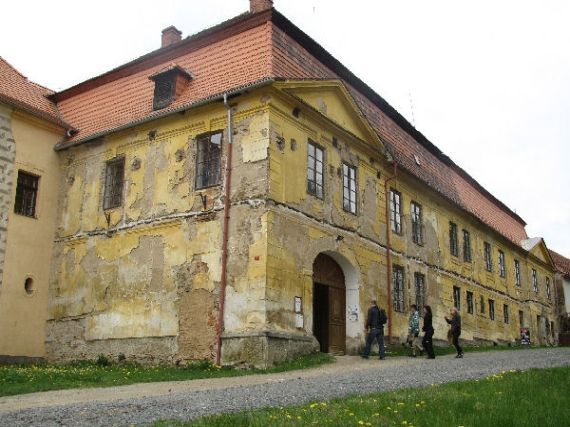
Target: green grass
[(531, 398), (19, 379)]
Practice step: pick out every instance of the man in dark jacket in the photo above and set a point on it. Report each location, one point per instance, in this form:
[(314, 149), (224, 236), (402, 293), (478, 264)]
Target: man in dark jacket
[(455, 323), (375, 329)]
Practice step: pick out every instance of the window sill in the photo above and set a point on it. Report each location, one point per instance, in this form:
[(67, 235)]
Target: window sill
[(26, 216)]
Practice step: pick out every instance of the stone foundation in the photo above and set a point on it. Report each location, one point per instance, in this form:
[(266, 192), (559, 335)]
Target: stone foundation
[(266, 348)]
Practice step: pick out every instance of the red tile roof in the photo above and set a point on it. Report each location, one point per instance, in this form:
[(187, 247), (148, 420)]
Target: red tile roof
[(251, 48), (18, 91), (561, 263)]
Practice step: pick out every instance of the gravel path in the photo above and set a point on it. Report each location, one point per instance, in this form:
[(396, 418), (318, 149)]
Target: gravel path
[(145, 403)]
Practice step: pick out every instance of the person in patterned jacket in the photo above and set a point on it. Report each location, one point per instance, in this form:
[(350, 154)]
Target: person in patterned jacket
[(414, 340)]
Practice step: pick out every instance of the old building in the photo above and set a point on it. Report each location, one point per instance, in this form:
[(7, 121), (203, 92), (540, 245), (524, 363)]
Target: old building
[(241, 195), (562, 289)]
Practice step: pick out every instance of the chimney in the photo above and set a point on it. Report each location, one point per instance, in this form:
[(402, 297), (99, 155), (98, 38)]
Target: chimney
[(170, 35), (256, 6)]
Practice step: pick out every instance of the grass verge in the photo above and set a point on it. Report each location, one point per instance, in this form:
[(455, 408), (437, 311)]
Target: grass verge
[(536, 397), (19, 379)]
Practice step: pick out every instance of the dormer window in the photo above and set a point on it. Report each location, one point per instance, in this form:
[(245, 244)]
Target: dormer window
[(168, 85)]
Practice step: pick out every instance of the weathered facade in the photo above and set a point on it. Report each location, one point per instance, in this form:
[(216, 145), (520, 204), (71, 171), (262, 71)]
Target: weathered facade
[(166, 246)]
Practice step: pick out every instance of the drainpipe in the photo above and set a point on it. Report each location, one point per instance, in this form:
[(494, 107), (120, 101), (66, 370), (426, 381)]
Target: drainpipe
[(388, 250), (225, 237)]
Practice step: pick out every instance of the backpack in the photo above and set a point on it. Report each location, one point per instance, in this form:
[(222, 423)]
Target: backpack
[(382, 318)]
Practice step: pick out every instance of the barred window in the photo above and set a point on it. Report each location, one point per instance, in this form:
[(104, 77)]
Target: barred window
[(488, 257), (417, 223), (502, 270), (457, 297), (209, 160), (466, 246), (395, 211), (548, 287), (26, 194), (517, 273), (420, 285), (491, 309), (453, 245), (534, 280), (349, 188), (114, 179), (315, 160), (506, 313), (398, 279), (470, 307), (164, 88)]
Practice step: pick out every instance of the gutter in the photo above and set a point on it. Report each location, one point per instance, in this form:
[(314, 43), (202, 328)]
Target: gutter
[(63, 145), (388, 251)]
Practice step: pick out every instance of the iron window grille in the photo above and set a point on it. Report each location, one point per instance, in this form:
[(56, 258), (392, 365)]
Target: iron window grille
[(315, 169), (517, 273), (534, 280), (114, 179), (506, 313), (488, 257), (548, 287), (349, 188), (470, 307), (417, 223), (208, 160), (420, 281), (457, 297), (395, 211), (502, 270), (466, 246), (398, 288), (453, 244), (491, 309), (26, 194), (164, 89)]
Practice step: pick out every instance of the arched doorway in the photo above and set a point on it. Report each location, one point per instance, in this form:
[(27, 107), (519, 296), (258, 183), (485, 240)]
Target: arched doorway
[(329, 305)]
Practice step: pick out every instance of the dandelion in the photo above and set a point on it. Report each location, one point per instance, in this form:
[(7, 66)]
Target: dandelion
[(360, 422), (313, 405), (376, 414), (298, 417), (351, 414), (418, 405), (404, 423), (401, 403)]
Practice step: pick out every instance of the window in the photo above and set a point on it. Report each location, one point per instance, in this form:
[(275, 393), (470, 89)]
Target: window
[(502, 270), (349, 188), (488, 258), (417, 223), (548, 287), (506, 313), (26, 194), (395, 212), (209, 160), (482, 305), (552, 328), (457, 297), (534, 280), (491, 309), (517, 273), (114, 178), (398, 278), (470, 308), (420, 281), (466, 246), (521, 319), (453, 245), (315, 169), (164, 87)]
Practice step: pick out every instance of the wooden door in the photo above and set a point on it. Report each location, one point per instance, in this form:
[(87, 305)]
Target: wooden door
[(337, 320)]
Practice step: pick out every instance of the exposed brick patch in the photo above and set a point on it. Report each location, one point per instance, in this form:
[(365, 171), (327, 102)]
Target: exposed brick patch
[(7, 159)]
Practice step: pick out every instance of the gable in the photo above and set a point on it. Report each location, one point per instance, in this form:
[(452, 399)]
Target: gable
[(540, 252)]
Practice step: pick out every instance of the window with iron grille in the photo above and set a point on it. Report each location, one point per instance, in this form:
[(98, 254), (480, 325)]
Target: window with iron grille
[(209, 160), (114, 178), (470, 305), (349, 188), (395, 211), (502, 270), (482, 305), (457, 297), (164, 87), (506, 313), (420, 285), (466, 246), (548, 287), (491, 309), (417, 223), (398, 288), (453, 245), (517, 273), (488, 257), (315, 168), (521, 319), (26, 194), (534, 280)]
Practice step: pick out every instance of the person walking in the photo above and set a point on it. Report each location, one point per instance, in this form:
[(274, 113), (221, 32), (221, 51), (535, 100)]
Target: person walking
[(455, 323), (414, 331), (375, 329), (427, 342)]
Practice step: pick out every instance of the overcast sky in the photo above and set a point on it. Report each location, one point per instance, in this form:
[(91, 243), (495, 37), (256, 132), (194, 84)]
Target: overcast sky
[(488, 82)]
